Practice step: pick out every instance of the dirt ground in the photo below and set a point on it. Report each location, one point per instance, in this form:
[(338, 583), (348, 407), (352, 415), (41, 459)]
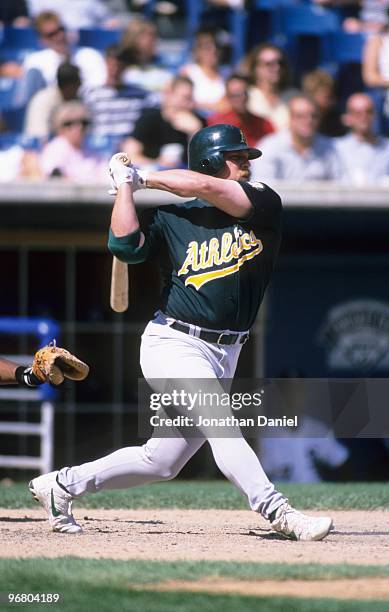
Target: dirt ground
[(359, 537)]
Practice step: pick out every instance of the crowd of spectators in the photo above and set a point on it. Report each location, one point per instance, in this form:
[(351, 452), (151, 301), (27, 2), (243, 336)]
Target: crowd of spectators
[(85, 103)]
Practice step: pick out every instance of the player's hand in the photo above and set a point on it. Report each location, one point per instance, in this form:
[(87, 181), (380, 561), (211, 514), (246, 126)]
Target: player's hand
[(122, 171)]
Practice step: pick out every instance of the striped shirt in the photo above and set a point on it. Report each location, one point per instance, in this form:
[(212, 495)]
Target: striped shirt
[(114, 111)]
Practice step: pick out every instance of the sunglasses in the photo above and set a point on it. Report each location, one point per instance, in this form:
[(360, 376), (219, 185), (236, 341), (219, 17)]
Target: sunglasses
[(275, 62), (84, 122), (53, 33)]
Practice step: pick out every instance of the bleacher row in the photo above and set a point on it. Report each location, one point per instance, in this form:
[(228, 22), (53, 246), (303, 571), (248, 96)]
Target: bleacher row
[(311, 35)]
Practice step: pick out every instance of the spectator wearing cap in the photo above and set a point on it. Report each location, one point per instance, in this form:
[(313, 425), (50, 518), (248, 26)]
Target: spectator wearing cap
[(65, 155), (41, 107), (364, 153), (114, 106), (161, 135), (319, 85), (299, 153), (40, 67), (253, 127)]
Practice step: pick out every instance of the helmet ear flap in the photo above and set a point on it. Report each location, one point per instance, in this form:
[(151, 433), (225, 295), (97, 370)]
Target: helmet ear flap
[(213, 163)]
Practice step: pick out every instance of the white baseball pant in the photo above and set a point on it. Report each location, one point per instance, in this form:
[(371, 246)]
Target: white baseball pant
[(170, 354)]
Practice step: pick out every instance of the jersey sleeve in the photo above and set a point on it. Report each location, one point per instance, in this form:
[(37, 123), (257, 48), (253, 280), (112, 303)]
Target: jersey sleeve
[(267, 206), (126, 248)]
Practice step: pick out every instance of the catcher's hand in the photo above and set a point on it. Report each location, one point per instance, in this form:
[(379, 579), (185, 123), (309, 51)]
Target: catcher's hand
[(53, 364), (122, 171)]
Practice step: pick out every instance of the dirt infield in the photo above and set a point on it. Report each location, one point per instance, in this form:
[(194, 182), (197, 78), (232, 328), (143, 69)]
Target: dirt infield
[(359, 537), (359, 588)]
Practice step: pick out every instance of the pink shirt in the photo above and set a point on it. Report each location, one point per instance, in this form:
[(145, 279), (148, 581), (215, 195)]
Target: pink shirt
[(72, 163)]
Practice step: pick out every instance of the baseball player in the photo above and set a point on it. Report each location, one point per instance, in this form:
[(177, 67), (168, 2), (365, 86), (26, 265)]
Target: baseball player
[(217, 252)]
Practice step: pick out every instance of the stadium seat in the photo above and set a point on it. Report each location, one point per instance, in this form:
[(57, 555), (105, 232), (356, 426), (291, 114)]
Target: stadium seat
[(7, 91), (98, 38), (306, 29), (8, 140), (345, 48), (14, 118), (235, 21), (102, 145), (314, 20), (344, 62), (20, 38)]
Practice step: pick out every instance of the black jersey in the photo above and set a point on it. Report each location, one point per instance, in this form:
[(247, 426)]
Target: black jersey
[(215, 267)]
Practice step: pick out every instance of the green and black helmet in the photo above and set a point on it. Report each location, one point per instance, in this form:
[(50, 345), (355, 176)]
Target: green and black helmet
[(207, 146)]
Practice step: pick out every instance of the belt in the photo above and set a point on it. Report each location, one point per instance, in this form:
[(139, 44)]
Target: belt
[(212, 336)]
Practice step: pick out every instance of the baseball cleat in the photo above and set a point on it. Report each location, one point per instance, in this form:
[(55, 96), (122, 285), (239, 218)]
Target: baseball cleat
[(295, 525), (56, 502)]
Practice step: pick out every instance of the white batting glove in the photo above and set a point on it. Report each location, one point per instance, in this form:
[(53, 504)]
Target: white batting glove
[(122, 171), (140, 179)]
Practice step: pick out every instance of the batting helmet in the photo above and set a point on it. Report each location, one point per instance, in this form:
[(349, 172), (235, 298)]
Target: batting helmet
[(206, 147)]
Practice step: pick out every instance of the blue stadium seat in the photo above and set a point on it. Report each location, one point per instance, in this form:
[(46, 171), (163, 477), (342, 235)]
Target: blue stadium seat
[(310, 20), (7, 91), (306, 29), (344, 62), (20, 38), (235, 21), (346, 48), (14, 118), (102, 145), (8, 140), (98, 38)]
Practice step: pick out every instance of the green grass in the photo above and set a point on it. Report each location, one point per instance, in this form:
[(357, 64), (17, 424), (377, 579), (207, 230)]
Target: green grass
[(218, 494), (33, 572), (107, 584), (124, 600)]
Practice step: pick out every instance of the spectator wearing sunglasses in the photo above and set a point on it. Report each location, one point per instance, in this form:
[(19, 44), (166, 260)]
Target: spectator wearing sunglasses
[(65, 155), (40, 67), (268, 73), (253, 127)]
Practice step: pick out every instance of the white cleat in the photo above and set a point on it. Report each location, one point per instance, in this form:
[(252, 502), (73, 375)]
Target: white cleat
[(56, 502), (297, 526)]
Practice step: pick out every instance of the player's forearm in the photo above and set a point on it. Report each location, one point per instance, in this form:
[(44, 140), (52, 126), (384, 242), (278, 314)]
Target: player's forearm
[(184, 183), (224, 194), (124, 219), (7, 372)]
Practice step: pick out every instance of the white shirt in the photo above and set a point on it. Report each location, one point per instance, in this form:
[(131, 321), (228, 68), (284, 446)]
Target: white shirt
[(278, 113), (363, 163), (39, 112), (205, 90), (74, 14), (90, 62), (280, 160), (151, 77)]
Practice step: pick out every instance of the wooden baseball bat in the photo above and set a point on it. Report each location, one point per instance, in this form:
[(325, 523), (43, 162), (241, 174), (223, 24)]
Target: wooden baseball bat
[(119, 286)]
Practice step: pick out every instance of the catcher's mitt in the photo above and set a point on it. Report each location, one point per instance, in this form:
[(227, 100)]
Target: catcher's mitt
[(53, 364)]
